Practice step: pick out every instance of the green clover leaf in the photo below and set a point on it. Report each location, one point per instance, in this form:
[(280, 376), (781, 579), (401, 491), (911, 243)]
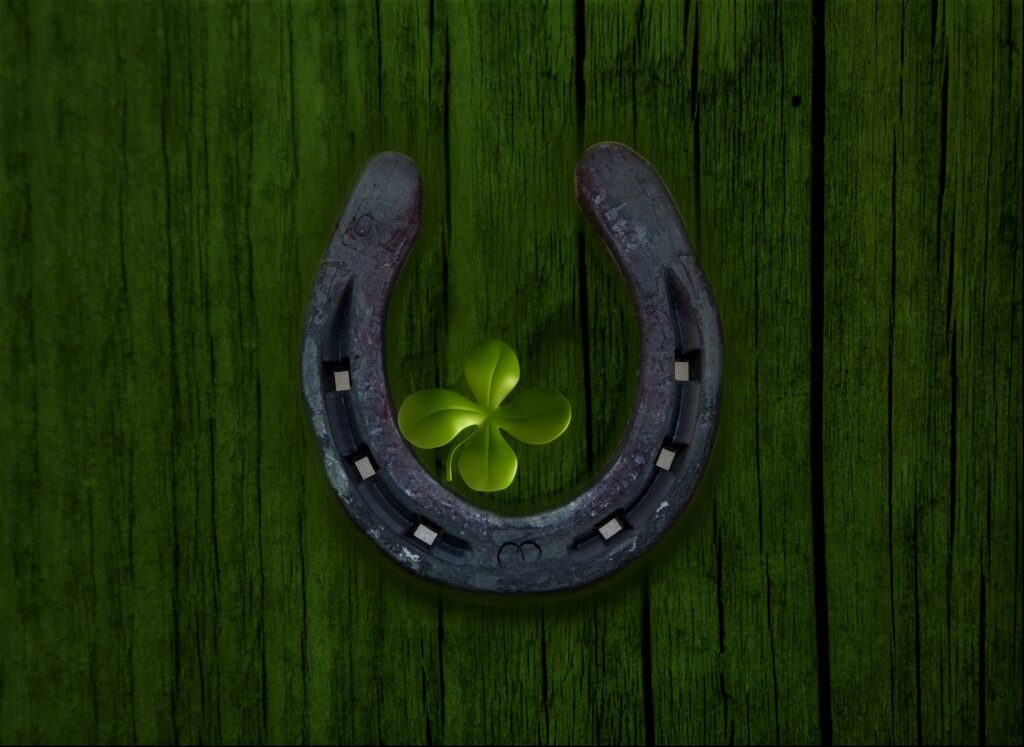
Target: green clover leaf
[(432, 418)]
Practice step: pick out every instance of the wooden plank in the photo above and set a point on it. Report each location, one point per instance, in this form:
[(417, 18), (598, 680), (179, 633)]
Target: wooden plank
[(706, 92), (73, 542), (922, 470), (174, 565), (177, 553), (509, 267), (985, 195), (362, 78)]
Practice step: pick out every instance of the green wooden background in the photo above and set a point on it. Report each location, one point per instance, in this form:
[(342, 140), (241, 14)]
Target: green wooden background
[(174, 564)]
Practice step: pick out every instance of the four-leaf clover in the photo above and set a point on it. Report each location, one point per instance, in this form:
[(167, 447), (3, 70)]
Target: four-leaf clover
[(432, 418)]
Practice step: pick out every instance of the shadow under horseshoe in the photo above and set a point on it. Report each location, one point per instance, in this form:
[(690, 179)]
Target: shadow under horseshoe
[(644, 488)]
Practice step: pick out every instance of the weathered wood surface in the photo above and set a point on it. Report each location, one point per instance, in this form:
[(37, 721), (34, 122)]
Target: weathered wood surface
[(174, 565)]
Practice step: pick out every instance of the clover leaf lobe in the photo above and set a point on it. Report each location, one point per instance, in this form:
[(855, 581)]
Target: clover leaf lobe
[(535, 417), (492, 372), (432, 417)]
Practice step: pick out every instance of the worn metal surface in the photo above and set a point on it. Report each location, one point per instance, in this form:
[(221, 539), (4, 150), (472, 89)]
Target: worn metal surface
[(640, 493)]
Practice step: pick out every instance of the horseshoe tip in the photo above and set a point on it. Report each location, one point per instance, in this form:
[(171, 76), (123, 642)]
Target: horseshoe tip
[(396, 165), (396, 182), (605, 151), (598, 167)]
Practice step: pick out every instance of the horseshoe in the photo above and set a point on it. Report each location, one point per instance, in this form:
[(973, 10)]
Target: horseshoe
[(643, 489)]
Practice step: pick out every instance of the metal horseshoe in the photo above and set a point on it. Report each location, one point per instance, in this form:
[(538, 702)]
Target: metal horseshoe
[(642, 491)]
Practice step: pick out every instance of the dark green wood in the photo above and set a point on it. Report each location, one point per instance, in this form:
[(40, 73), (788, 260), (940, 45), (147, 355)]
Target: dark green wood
[(923, 372), (174, 565), (734, 150)]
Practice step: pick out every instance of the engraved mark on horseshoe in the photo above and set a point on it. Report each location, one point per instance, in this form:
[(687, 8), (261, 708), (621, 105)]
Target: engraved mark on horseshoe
[(512, 553), (363, 226)]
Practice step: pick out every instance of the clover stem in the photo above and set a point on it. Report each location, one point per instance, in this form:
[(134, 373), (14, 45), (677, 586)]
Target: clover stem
[(451, 453)]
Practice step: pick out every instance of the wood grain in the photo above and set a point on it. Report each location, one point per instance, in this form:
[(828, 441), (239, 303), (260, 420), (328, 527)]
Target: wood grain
[(922, 469), (175, 567)]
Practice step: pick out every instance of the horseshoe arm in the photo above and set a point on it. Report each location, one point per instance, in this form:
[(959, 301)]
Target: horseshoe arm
[(675, 413)]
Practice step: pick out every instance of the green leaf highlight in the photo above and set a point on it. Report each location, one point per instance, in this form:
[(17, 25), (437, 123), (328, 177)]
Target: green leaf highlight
[(488, 462), (492, 371), (536, 417), (433, 417)]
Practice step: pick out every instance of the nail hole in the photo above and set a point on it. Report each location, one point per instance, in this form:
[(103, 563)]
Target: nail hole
[(796, 101)]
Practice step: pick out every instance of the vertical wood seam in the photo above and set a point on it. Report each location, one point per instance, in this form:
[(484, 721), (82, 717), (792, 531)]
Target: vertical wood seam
[(817, 252)]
